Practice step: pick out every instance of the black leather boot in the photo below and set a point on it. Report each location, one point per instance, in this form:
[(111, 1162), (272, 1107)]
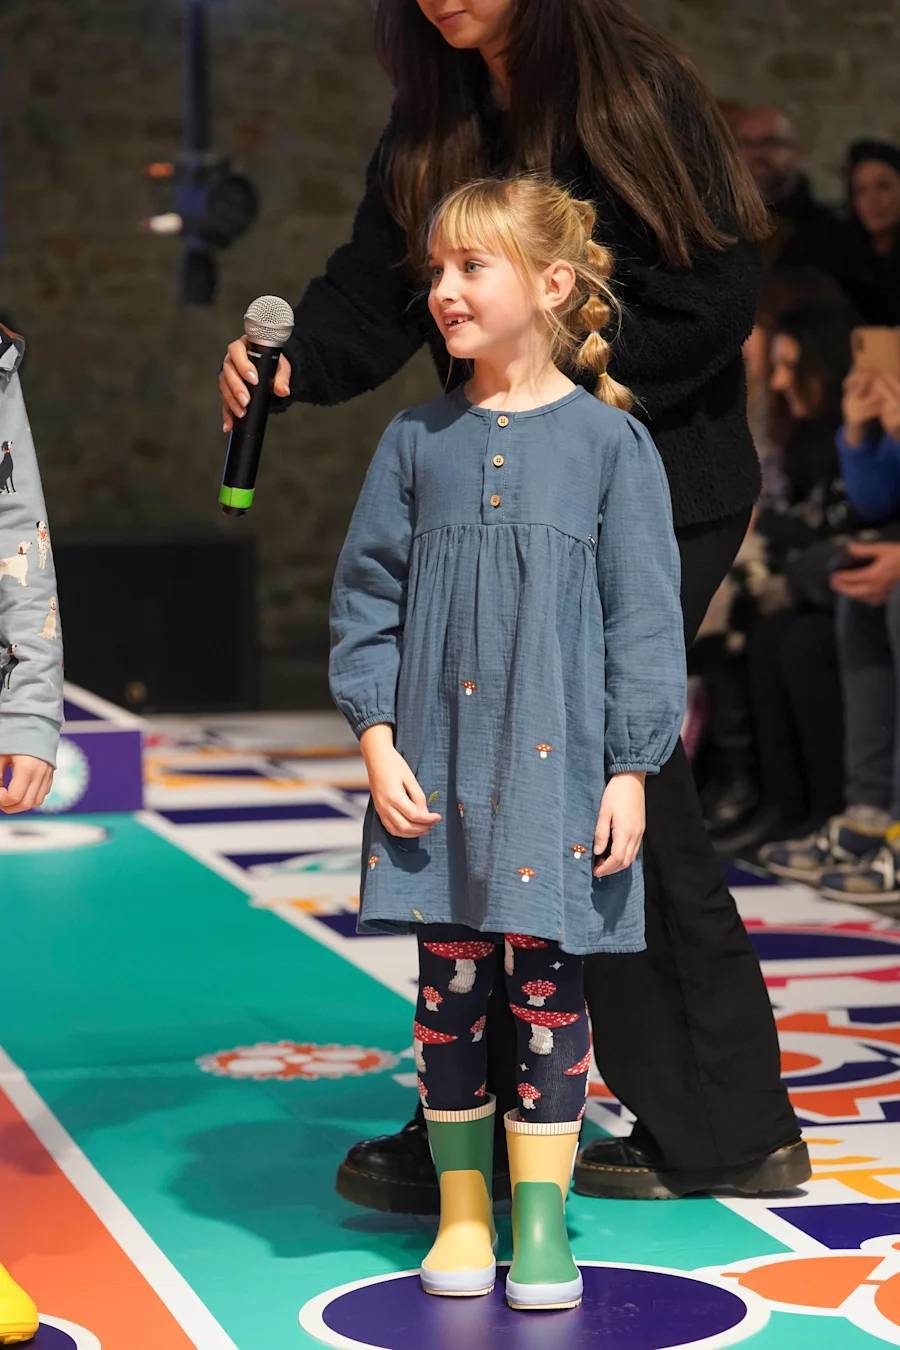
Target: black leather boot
[(395, 1173), (619, 1169)]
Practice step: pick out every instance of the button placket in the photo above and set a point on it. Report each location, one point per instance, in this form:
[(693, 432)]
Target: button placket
[(497, 459)]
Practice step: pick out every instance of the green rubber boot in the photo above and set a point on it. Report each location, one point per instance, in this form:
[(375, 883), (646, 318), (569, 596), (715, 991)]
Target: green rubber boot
[(541, 1157), (462, 1264)]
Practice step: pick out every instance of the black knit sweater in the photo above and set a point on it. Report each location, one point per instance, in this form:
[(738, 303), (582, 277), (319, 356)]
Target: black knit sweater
[(679, 348)]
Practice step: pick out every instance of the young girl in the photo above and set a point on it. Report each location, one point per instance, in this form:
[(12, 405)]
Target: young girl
[(507, 645)]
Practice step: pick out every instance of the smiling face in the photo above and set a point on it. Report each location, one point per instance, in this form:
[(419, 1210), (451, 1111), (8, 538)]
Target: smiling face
[(875, 191), (478, 301), (485, 308), (469, 24)]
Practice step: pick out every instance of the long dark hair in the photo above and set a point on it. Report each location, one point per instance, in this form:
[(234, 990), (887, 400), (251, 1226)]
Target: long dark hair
[(822, 331), (583, 74)]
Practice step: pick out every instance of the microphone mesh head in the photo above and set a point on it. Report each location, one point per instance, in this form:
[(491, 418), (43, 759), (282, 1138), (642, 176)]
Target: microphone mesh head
[(269, 321)]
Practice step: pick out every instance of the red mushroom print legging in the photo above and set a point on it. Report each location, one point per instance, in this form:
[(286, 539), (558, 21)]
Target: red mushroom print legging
[(545, 988)]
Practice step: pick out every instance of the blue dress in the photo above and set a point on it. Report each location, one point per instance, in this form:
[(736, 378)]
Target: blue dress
[(507, 597)]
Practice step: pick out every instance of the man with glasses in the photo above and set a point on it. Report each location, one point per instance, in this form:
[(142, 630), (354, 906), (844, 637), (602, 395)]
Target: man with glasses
[(807, 233)]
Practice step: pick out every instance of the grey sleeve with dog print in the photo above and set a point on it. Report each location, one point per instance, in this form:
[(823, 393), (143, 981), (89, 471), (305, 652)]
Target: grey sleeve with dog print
[(31, 660)]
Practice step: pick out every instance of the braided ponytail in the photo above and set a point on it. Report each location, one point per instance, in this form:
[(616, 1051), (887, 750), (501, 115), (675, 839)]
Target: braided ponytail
[(534, 222), (593, 318)]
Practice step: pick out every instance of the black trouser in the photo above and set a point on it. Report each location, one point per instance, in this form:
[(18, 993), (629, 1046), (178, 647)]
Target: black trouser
[(683, 1033), (798, 713)]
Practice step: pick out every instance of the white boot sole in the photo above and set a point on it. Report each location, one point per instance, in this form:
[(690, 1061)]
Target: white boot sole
[(459, 1283), (538, 1297)]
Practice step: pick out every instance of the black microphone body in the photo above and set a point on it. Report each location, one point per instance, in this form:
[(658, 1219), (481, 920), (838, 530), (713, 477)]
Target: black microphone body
[(245, 442)]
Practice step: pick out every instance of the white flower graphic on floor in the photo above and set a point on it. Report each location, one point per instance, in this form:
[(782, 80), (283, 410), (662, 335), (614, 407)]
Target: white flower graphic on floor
[(297, 1059)]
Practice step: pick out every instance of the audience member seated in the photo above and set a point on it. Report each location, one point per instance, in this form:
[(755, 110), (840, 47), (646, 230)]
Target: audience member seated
[(856, 856), (806, 232), (782, 604), (872, 255)]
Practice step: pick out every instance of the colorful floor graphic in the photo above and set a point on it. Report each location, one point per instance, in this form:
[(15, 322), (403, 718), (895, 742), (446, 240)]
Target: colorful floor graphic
[(193, 1035)]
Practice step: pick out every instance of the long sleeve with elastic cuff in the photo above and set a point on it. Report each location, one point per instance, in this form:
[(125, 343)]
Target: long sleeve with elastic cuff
[(368, 597), (639, 576)]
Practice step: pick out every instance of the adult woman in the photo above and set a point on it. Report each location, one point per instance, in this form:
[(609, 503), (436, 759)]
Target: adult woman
[(633, 129), (873, 247), (787, 606)]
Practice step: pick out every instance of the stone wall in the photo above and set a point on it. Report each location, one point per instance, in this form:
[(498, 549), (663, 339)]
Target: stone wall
[(121, 381)]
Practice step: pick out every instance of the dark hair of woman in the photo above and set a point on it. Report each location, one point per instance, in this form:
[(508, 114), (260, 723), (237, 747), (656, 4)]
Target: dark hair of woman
[(821, 330), (583, 74)]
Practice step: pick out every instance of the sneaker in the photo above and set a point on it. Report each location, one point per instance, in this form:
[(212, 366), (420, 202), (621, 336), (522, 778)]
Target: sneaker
[(875, 881), (843, 841)]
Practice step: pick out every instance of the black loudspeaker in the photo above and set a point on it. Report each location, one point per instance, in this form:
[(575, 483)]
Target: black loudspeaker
[(161, 622)]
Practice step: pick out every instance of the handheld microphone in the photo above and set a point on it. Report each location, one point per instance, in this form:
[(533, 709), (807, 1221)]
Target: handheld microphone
[(268, 324)]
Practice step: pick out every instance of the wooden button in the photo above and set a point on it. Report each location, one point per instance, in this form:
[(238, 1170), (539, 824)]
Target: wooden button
[(495, 500), (499, 461), (502, 421)]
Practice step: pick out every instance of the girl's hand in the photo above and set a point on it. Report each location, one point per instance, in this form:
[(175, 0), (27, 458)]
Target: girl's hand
[(30, 782), (861, 405), (620, 823), (396, 794), (236, 373)]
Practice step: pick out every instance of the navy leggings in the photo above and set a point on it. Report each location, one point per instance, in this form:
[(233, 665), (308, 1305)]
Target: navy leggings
[(545, 987)]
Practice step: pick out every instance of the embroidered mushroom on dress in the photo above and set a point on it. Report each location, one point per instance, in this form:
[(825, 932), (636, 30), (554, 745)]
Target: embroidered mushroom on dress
[(543, 749), (579, 850), (432, 998), (373, 859), (477, 1029), (526, 873), (470, 686)]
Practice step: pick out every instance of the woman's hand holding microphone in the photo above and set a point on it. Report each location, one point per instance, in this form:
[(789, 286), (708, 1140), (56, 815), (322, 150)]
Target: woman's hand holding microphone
[(236, 373)]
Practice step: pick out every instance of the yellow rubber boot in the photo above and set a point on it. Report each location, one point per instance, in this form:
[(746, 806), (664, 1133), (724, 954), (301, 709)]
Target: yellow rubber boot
[(461, 1264), (543, 1273), (18, 1315)]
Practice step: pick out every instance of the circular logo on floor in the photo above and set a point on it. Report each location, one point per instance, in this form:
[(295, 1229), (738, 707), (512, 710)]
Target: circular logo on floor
[(55, 1334), (70, 782), (297, 1059), (37, 836), (641, 1307)]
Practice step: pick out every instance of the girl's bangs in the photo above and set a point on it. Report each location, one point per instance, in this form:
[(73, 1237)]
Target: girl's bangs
[(469, 222)]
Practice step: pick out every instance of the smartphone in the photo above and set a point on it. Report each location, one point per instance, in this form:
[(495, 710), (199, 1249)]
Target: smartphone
[(842, 561), (876, 351)]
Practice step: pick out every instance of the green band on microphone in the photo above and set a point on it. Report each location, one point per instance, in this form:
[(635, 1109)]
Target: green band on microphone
[(242, 498)]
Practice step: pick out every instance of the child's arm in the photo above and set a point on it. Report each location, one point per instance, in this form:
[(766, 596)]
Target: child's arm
[(368, 596), (368, 608), (30, 641), (639, 576)]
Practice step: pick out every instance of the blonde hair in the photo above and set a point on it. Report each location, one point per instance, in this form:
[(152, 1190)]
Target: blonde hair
[(534, 222)]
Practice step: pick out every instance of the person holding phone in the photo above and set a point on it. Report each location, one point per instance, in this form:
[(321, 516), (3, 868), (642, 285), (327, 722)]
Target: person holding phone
[(856, 855)]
